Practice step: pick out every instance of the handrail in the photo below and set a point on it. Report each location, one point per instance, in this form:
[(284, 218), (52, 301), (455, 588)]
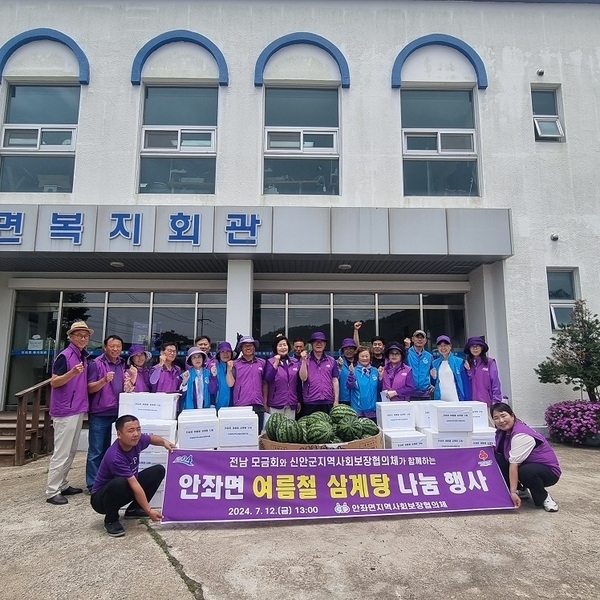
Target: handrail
[(40, 405)]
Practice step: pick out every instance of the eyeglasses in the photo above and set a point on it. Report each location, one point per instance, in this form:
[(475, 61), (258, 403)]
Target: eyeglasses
[(81, 336), (170, 351)]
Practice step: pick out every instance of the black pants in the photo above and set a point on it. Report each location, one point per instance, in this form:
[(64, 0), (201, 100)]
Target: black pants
[(309, 409), (117, 492), (535, 476), (259, 409)]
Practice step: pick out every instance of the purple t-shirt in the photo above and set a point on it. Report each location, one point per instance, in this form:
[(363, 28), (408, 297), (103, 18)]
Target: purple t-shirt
[(118, 463)]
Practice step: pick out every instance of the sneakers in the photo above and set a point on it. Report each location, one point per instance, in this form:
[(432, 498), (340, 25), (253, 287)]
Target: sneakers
[(135, 513), (549, 504), (114, 529)]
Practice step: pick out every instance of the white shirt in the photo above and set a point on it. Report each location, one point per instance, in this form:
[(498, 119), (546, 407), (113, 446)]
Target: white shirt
[(521, 445), (448, 391)]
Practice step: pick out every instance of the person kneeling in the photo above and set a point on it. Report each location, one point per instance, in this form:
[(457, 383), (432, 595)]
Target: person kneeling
[(118, 481)]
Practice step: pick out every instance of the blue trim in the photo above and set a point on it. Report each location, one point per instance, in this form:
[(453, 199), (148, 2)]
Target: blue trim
[(178, 35), (35, 35), (301, 37), (440, 39)]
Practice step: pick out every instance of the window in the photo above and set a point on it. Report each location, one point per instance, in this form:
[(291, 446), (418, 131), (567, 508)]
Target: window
[(562, 296), (301, 141), (439, 143), (546, 122), (179, 140), (38, 138)]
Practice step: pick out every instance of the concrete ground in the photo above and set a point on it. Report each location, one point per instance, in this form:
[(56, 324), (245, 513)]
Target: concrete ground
[(57, 552)]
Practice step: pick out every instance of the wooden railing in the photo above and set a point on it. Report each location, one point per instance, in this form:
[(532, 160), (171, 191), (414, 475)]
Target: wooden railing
[(34, 400)]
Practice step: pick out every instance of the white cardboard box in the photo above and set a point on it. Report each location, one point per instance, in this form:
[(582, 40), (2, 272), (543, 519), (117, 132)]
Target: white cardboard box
[(239, 431), (447, 439), (199, 433), (396, 415), (166, 428), (151, 457), (234, 411), (147, 405), (423, 412), (451, 416), (195, 413), (483, 437), (480, 413), (400, 438)]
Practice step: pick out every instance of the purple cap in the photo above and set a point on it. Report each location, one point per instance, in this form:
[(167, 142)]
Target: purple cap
[(317, 336), (193, 351), (138, 349), (394, 346), (224, 347), (348, 343), (476, 341), (443, 338), (246, 339)]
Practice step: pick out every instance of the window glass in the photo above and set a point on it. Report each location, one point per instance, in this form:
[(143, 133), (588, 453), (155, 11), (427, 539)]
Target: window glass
[(37, 173), (173, 325), (310, 299), (446, 322), (37, 104), (267, 323), (562, 315), (397, 324), (177, 175), (301, 107), (343, 324), (440, 178), (167, 298), (269, 299), (443, 299), (449, 109), (398, 299), (353, 299), (301, 176), (302, 322), (192, 106), (129, 323), (560, 285), (211, 322), (84, 297), (129, 297), (216, 298), (544, 102)]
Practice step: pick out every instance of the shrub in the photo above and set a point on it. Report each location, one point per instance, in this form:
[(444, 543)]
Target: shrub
[(573, 421)]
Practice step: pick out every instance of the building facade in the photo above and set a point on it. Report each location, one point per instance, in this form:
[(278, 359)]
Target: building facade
[(172, 168)]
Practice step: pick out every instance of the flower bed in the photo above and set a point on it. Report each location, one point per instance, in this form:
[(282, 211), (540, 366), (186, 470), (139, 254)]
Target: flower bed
[(574, 421)]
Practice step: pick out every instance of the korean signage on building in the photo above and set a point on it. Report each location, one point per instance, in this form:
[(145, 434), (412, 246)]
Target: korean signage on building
[(253, 486)]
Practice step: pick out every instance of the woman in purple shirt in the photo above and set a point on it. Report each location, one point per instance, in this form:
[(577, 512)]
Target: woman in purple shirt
[(282, 375), (137, 377), (482, 372), (397, 378)]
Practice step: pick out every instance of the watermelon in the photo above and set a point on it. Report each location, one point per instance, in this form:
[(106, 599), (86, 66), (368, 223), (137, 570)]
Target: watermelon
[(289, 432), (303, 424), (272, 425), (337, 413), (319, 432), (320, 415), (369, 428), (349, 428)]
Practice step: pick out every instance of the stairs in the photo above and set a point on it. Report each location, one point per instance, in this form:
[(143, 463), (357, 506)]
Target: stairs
[(36, 440)]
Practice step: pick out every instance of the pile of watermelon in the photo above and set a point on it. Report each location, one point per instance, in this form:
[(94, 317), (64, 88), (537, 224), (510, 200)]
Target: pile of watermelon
[(342, 424)]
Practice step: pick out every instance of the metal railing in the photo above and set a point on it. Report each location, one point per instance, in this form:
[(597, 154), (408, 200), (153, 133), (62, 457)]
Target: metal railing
[(34, 400)]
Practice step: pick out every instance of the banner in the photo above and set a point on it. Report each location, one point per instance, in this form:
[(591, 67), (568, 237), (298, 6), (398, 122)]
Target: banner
[(217, 485)]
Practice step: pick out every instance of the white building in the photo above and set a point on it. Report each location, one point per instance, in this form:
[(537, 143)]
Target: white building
[(171, 167)]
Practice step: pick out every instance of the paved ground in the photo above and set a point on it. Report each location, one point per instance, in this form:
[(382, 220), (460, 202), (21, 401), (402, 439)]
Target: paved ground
[(57, 552)]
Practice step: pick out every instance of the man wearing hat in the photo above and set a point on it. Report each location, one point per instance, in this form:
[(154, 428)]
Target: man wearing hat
[(420, 361), (245, 375), (68, 404), (482, 371), (320, 374), (198, 382), (449, 374), (137, 377)]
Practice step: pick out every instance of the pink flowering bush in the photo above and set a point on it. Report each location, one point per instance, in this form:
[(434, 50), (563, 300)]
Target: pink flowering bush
[(574, 421)]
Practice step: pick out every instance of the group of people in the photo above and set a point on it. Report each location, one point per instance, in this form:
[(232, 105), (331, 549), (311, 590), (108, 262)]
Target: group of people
[(293, 381)]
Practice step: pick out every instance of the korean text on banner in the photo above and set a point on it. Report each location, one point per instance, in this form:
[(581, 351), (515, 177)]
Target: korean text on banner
[(204, 486)]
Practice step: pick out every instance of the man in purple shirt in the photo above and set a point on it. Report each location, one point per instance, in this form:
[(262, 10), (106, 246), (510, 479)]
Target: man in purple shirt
[(245, 375), (68, 404), (118, 481), (320, 374), (166, 375), (106, 380)]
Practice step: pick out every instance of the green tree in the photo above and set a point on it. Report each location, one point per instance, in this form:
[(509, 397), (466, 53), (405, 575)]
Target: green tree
[(575, 353)]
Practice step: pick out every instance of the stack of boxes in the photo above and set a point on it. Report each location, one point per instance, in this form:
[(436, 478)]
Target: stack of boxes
[(157, 414), (435, 424)]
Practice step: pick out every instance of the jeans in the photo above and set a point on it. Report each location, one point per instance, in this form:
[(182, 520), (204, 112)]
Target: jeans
[(100, 428), (117, 493)]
